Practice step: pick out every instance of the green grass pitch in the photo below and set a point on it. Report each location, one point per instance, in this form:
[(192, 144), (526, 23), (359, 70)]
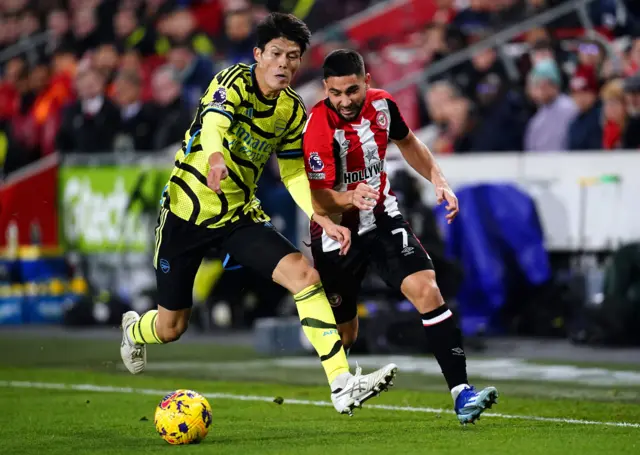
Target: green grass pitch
[(63, 396)]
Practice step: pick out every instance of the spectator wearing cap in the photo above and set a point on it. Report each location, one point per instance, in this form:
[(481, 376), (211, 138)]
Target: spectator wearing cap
[(544, 49), (137, 119), (195, 72), (615, 115), (631, 137), (548, 129), (585, 132)]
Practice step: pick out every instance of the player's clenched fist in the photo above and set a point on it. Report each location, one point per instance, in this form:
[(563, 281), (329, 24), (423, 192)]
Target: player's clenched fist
[(217, 171), (364, 197)]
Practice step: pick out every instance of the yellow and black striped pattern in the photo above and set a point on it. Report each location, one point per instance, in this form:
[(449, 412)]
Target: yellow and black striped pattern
[(143, 331), (162, 220), (320, 327), (259, 127)]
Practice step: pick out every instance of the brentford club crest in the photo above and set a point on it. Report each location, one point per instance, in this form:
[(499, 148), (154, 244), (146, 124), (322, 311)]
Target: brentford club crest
[(382, 120)]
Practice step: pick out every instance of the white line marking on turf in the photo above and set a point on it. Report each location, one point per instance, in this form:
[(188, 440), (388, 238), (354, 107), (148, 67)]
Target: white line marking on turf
[(229, 396), (490, 369)]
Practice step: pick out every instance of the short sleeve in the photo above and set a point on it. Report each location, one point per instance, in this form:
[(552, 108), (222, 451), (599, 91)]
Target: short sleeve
[(291, 145), (318, 147), (224, 93), (398, 129)]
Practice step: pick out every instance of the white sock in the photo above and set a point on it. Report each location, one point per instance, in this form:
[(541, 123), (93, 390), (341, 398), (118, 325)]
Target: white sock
[(457, 389), (340, 382)]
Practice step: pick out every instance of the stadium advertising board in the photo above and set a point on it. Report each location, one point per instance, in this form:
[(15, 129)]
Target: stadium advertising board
[(28, 202), (108, 209)]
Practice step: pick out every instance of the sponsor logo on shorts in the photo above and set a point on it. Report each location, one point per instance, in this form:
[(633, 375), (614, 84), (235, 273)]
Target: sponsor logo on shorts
[(329, 332), (164, 266), (334, 300), (316, 175)]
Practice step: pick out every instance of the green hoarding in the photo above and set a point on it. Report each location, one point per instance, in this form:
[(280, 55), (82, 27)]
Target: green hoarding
[(109, 208)]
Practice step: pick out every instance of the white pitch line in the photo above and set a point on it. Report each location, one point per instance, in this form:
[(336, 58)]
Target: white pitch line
[(229, 396)]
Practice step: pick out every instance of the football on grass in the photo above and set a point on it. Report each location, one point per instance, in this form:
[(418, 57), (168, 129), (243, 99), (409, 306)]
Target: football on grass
[(183, 417)]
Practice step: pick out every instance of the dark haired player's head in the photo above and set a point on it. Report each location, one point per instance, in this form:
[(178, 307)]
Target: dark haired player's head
[(346, 82), (282, 39)]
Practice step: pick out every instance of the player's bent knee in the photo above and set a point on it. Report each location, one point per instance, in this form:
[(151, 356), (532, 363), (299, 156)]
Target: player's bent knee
[(422, 290), (172, 331), (295, 273), (310, 276)]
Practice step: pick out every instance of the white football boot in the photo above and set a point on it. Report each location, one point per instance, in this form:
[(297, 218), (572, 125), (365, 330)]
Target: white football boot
[(359, 388), (133, 355)]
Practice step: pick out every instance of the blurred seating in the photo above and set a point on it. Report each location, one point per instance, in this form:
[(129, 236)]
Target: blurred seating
[(68, 64)]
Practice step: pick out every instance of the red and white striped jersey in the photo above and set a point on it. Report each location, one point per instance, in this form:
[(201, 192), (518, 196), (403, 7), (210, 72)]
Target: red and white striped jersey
[(341, 154)]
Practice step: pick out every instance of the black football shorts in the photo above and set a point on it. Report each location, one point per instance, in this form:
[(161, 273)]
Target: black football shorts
[(181, 246), (391, 248)]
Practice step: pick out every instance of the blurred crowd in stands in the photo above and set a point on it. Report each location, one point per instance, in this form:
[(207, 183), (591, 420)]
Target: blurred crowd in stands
[(103, 75), (549, 89), (94, 76)]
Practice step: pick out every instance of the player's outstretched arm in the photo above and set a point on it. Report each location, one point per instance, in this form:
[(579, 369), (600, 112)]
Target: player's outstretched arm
[(419, 157)]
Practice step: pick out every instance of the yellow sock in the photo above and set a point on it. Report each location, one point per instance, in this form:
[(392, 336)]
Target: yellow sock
[(144, 331), (319, 326)]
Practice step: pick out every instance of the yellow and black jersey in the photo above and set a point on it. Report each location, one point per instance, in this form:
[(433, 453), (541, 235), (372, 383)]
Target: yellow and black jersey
[(259, 127)]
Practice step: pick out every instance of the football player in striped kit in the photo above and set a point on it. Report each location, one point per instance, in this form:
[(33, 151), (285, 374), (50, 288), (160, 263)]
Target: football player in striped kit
[(345, 143)]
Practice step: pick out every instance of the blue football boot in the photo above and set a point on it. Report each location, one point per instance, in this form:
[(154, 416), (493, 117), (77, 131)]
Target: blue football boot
[(470, 404)]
